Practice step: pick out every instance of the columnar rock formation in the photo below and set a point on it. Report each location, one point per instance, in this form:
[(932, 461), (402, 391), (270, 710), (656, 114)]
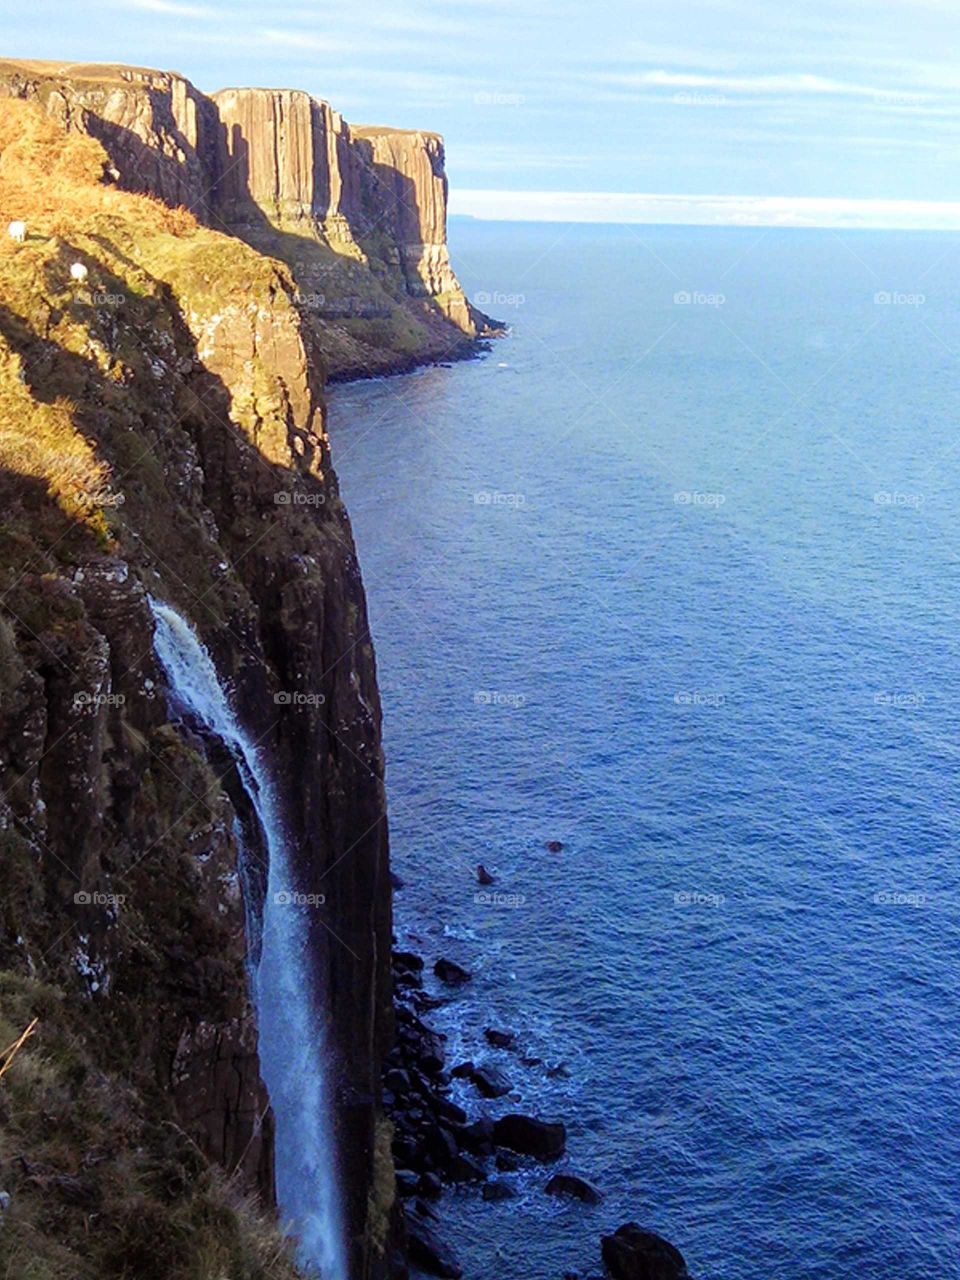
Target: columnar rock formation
[(357, 212)]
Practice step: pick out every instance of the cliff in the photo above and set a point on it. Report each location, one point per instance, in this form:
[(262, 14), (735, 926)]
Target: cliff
[(162, 435), (357, 213)]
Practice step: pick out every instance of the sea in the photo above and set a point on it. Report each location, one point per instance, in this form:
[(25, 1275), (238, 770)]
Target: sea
[(671, 575)]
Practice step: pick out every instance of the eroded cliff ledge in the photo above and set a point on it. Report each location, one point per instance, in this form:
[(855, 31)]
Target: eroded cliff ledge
[(358, 213)]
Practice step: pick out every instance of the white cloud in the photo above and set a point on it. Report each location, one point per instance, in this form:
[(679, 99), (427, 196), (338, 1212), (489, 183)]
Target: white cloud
[(705, 210), (174, 8), (788, 82)]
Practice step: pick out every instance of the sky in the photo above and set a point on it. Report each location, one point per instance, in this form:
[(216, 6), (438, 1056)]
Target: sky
[(755, 111)]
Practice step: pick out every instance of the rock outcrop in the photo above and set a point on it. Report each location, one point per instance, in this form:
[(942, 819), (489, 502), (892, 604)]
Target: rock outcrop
[(358, 213), (632, 1253)]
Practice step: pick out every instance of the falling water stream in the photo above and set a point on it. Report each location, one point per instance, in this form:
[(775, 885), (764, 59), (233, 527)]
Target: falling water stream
[(292, 1057)]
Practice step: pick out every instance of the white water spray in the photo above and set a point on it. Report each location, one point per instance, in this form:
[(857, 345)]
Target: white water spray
[(292, 1052)]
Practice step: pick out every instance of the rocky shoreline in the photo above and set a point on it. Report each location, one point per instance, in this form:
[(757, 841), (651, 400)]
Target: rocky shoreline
[(438, 1145)]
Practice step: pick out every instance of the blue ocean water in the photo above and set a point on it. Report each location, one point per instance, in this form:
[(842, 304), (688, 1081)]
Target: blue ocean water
[(671, 575)]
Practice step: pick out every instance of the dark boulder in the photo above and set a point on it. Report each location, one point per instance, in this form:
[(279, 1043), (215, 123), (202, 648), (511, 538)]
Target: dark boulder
[(398, 1081), (477, 1137), (531, 1137), (407, 968), (568, 1184), (553, 846), (484, 876), (465, 1169), (429, 1185), (463, 1070), (632, 1253), (440, 1146), (448, 1110), (507, 1161), (453, 974), (498, 1190), (407, 1182), (500, 1039), (491, 1082)]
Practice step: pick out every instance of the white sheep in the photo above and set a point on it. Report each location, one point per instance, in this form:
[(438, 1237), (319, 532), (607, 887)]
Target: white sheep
[(17, 231), (79, 272)]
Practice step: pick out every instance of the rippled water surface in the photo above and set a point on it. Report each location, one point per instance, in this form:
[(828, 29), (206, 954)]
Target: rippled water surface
[(676, 583)]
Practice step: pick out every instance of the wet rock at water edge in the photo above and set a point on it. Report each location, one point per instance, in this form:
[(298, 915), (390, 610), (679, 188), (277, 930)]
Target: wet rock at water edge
[(408, 1182), (499, 1189), (407, 968), (428, 1252), (491, 1082), (499, 1039), (463, 1070), (530, 1136), (484, 876), (477, 1137), (568, 1184), (395, 882), (448, 1110), (440, 1146), (507, 1161), (465, 1169), (553, 846), (430, 1186), (632, 1253), (453, 974)]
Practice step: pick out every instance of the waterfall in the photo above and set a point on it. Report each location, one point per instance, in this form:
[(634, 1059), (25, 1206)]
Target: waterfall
[(292, 1051)]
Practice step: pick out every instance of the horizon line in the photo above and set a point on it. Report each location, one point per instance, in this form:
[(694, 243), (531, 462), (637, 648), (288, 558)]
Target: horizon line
[(661, 208)]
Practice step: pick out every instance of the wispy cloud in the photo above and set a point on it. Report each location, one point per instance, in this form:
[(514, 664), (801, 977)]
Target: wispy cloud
[(786, 83), (173, 7)]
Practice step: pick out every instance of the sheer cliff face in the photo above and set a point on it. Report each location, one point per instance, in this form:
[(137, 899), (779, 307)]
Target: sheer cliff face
[(357, 213), (161, 432)]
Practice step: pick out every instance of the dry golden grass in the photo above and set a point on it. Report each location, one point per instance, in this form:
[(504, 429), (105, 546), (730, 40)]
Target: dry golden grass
[(53, 180), (41, 440)]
